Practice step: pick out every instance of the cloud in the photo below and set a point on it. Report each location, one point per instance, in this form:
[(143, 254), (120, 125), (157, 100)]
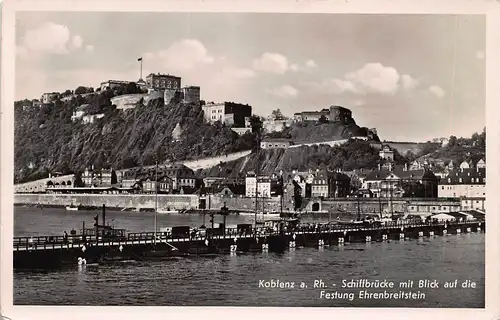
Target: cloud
[(408, 82), (372, 78), (285, 91), (480, 55), (48, 38), (183, 55), (77, 41), (89, 48), (311, 64), (272, 63), (437, 90)]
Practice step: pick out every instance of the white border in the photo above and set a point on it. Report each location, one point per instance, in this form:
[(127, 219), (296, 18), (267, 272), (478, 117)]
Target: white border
[(490, 8)]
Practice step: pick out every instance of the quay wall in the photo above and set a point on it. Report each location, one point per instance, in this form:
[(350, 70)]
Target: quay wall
[(366, 205), (118, 201), (215, 202)]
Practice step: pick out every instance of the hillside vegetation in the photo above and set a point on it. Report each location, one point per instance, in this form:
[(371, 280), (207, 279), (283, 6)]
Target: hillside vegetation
[(46, 139), (352, 155), (319, 131)]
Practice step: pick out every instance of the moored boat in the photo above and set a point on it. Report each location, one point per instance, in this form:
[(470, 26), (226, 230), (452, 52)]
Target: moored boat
[(166, 211), (261, 214), (72, 208)]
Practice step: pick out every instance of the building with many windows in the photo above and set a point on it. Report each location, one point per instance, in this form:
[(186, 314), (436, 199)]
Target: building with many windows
[(261, 183), (161, 82), (399, 181), (464, 183), (330, 184), (275, 143), (229, 113)]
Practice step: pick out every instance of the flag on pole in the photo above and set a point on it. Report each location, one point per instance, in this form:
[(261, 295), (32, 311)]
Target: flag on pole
[(140, 59)]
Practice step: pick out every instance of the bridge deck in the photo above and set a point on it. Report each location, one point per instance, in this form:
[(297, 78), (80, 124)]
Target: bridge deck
[(59, 242)]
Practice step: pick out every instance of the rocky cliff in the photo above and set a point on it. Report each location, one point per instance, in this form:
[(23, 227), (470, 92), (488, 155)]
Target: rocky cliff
[(46, 139)]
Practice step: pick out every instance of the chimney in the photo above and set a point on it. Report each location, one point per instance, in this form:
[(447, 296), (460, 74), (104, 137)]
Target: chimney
[(379, 167), (406, 167), (390, 166)]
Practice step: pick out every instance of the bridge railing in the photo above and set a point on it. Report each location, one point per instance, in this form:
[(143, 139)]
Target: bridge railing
[(70, 240)]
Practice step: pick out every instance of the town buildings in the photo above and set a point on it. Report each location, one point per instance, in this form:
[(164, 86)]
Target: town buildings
[(229, 113), (260, 183), (464, 182), (311, 115), (91, 118), (49, 97), (399, 181), (266, 186), (98, 178), (113, 84), (333, 114), (330, 184), (272, 124), (79, 112), (171, 178), (275, 143), (160, 82), (386, 153)]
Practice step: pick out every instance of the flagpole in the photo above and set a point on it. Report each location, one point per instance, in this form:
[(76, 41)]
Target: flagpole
[(140, 60)]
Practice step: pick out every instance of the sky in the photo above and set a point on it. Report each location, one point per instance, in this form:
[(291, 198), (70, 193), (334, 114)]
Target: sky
[(412, 77)]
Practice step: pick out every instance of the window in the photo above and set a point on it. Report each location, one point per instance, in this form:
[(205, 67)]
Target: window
[(442, 187)]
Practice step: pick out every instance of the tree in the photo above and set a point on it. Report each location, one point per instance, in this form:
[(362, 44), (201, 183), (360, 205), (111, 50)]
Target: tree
[(66, 93), (78, 180), (114, 179), (297, 195), (256, 124), (452, 141), (81, 90), (277, 115)]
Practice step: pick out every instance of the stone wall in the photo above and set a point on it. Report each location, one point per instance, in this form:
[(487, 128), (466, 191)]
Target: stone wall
[(366, 205), (375, 205), (127, 101), (210, 162), (330, 143), (120, 201), (40, 185)]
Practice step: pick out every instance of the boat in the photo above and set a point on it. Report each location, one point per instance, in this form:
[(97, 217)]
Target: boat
[(72, 208), (261, 214), (167, 211)]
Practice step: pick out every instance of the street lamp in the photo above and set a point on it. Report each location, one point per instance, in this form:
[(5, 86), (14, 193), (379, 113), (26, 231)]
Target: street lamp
[(224, 211)]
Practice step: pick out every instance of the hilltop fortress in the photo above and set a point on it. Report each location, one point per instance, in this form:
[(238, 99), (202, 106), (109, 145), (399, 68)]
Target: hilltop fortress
[(157, 85)]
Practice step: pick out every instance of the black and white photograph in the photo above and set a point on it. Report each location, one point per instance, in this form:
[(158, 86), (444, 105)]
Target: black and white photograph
[(249, 159)]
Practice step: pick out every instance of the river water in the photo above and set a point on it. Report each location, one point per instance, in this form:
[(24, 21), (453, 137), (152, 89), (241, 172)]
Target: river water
[(243, 279)]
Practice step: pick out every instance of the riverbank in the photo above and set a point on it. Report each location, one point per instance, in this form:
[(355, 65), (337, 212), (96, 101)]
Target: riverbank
[(213, 202)]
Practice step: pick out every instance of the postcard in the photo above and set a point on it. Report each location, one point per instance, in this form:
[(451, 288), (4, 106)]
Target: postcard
[(324, 155)]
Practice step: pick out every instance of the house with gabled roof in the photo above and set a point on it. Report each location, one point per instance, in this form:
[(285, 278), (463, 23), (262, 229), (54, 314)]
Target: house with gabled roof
[(399, 181)]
